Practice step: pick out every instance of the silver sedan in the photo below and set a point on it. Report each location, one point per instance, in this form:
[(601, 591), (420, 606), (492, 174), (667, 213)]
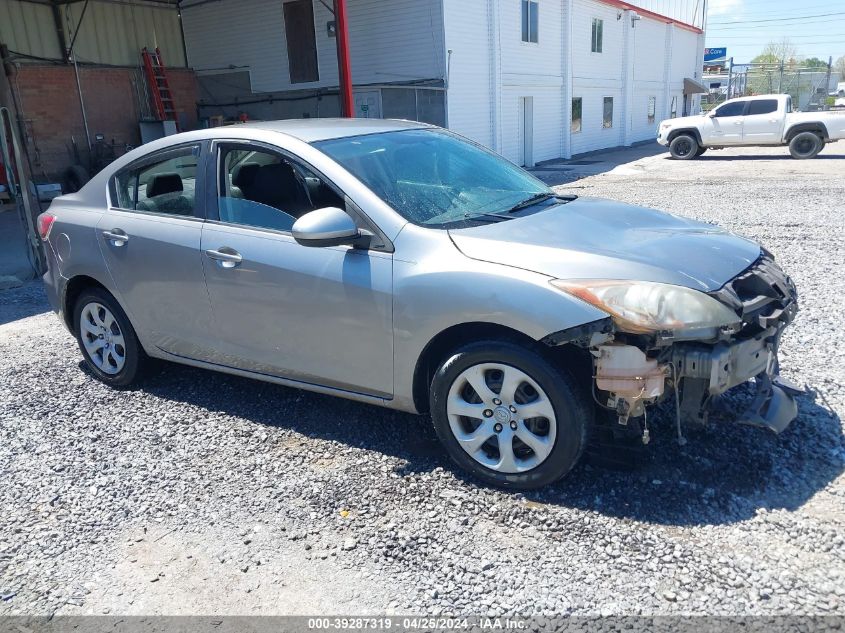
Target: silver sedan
[(399, 264)]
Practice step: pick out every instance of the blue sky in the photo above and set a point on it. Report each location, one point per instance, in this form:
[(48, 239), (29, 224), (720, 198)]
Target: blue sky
[(746, 26)]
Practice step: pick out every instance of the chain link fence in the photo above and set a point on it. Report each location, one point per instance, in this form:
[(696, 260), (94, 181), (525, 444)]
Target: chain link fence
[(809, 86)]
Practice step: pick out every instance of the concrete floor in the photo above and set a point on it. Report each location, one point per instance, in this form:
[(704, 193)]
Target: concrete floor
[(13, 257)]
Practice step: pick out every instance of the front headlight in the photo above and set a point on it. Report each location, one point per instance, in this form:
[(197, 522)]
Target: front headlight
[(644, 306)]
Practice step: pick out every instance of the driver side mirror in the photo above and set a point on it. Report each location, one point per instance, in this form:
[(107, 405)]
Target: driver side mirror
[(330, 226), (712, 114)]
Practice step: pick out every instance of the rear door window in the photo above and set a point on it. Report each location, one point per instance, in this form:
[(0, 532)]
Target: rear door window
[(165, 185), (762, 106)]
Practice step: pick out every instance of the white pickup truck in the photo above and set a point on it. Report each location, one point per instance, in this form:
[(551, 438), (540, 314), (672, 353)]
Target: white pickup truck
[(760, 120)]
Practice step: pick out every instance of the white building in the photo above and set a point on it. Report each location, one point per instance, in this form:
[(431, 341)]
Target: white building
[(533, 79)]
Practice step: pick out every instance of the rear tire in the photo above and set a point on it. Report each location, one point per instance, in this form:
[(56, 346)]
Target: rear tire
[(805, 145), (683, 147), (107, 339), (513, 383)]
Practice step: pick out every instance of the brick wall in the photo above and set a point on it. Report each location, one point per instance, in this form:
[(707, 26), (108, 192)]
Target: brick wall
[(50, 105)]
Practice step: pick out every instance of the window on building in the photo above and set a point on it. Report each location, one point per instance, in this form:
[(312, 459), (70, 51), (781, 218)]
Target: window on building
[(530, 20), (598, 28), (763, 106), (421, 104), (301, 40), (652, 105), (607, 119), (674, 109), (164, 185), (576, 115)]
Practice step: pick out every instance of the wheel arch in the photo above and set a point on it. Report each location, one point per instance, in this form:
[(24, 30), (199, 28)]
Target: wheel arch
[(810, 126), (691, 131), (74, 287), (556, 348), (448, 340)]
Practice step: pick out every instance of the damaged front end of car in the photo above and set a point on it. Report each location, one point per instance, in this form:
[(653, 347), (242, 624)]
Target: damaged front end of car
[(665, 341)]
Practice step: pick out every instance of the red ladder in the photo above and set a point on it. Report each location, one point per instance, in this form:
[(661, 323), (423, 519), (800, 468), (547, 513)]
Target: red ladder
[(165, 108)]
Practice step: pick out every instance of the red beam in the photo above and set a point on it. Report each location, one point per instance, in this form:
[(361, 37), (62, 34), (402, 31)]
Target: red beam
[(347, 106)]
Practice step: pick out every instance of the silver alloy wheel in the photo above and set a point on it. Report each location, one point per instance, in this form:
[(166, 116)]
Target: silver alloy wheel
[(501, 417), (102, 338)]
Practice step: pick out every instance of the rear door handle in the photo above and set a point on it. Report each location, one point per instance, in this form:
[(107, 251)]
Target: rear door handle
[(225, 257), (116, 236)]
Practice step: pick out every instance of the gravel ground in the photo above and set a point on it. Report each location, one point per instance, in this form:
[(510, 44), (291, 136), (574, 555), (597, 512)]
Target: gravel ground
[(204, 493)]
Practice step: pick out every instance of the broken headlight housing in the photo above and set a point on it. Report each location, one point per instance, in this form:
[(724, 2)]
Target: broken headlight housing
[(643, 306)]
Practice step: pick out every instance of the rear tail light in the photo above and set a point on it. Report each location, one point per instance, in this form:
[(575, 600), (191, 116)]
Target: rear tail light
[(45, 223)]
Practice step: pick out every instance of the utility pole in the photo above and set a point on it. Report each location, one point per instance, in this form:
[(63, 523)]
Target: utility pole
[(730, 75)]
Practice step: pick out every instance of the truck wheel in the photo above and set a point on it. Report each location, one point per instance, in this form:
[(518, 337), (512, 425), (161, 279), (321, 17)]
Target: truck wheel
[(700, 151), (805, 145), (683, 147)]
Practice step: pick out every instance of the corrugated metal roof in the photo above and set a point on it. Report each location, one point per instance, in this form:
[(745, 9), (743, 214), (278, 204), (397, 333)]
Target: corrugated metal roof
[(112, 32), (28, 28)]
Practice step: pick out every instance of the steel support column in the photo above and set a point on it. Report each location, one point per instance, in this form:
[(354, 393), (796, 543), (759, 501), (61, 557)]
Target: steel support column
[(347, 105)]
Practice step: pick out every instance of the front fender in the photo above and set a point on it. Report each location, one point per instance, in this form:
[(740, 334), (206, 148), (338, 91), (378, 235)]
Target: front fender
[(437, 287)]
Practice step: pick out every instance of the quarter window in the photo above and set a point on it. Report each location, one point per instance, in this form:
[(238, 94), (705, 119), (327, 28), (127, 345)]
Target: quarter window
[(763, 106), (264, 189), (530, 20), (607, 119), (596, 41), (652, 104), (576, 115), (166, 186)]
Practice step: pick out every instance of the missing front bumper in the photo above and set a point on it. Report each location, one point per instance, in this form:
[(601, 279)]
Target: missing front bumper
[(704, 372)]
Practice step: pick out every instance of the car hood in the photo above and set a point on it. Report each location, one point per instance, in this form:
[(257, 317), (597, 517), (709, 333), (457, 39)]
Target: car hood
[(682, 121), (590, 238)]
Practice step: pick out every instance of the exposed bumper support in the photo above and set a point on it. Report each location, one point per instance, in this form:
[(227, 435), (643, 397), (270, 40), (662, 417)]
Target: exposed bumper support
[(773, 408), (710, 371)]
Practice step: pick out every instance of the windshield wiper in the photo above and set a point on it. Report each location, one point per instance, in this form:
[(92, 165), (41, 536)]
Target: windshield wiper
[(539, 198), (498, 217)]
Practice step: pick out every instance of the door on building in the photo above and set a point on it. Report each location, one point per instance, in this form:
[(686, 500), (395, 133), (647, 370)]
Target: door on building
[(368, 104), (526, 106), (761, 123)]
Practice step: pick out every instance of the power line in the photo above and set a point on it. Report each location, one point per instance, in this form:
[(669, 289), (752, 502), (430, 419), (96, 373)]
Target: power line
[(803, 17), (765, 26)]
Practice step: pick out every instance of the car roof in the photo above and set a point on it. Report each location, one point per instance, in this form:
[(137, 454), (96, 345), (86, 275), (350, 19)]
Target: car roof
[(311, 130)]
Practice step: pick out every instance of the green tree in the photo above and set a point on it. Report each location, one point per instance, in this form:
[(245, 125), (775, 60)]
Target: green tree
[(815, 62)]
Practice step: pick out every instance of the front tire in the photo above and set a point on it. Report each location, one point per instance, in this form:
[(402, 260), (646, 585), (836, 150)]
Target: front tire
[(805, 145), (508, 416), (107, 339), (701, 151), (683, 147)]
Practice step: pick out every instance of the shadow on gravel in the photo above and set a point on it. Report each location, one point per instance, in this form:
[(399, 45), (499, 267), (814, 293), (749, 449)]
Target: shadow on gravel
[(724, 474), (22, 302)]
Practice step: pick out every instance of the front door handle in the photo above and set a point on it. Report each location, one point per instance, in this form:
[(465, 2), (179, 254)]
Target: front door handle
[(116, 236), (225, 257), (737, 122)]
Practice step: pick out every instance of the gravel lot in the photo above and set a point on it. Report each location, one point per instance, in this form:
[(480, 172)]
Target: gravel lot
[(203, 493)]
